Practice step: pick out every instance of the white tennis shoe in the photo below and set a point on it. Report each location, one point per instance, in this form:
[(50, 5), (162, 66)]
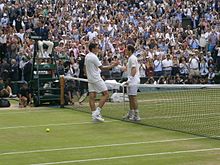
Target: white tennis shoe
[(96, 116)]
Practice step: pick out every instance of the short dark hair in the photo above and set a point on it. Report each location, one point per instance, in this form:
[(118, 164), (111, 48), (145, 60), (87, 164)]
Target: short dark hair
[(130, 48), (92, 45)]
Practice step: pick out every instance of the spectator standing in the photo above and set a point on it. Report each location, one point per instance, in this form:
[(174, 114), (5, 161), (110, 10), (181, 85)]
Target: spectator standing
[(149, 67), (158, 70), (14, 72), (203, 67), (3, 44), (18, 24), (175, 67), (4, 20), (167, 65), (194, 65)]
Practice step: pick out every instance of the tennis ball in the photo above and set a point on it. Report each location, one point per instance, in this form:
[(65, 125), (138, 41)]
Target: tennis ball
[(48, 130)]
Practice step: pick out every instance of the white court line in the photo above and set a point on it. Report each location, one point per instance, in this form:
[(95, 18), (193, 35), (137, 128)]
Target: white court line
[(43, 125), (130, 156), (100, 146)]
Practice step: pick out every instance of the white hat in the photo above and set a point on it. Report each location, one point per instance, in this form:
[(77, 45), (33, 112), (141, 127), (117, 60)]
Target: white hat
[(61, 42), (5, 15), (83, 54)]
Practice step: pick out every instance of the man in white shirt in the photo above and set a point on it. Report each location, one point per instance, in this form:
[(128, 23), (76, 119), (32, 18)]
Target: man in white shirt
[(167, 66), (158, 70), (132, 82), (4, 20), (95, 83), (92, 34), (194, 65)]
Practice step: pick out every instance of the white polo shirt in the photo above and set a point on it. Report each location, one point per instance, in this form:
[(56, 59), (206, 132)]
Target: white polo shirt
[(133, 62), (193, 63), (167, 64), (92, 64)]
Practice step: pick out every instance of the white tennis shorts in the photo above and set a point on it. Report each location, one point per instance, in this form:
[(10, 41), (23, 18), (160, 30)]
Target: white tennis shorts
[(133, 86), (97, 86)]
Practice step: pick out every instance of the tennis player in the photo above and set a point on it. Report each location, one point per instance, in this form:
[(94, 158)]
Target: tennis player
[(132, 82), (95, 83)]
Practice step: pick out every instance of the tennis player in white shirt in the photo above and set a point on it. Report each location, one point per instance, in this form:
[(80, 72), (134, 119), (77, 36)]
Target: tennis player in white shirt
[(133, 81), (95, 82)]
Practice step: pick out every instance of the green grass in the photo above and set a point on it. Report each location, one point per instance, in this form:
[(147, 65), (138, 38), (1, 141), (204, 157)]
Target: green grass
[(23, 133), (192, 111), (74, 139)]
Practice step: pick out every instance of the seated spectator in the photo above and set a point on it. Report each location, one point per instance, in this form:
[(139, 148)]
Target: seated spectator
[(178, 79), (203, 80), (150, 81), (170, 80), (189, 80), (43, 31), (211, 76), (24, 95), (162, 80), (5, 89)]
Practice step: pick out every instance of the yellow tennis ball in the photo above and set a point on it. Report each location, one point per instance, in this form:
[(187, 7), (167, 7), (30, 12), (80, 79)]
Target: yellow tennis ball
[(48, 130)]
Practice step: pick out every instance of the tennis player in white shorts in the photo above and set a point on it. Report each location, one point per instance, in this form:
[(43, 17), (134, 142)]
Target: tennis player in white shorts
[(133, 81), (95, 82)]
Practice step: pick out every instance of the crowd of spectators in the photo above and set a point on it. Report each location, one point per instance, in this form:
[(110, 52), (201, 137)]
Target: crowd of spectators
[(176, 41)]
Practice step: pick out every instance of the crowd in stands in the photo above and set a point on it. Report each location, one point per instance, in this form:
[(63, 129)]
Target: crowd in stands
[(176, 41)]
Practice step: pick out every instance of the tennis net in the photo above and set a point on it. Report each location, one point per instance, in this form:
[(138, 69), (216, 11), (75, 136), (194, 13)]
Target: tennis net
[(193, 109)]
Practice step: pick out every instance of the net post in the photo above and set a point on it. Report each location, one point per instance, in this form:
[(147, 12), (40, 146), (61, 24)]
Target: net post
[(62, 85)]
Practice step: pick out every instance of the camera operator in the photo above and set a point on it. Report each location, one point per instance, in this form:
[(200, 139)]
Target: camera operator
[(43, 31)]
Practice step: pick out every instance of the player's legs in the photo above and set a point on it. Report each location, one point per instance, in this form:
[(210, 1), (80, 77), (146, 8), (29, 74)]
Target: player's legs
[(103, 99), (92, 96), (100, 87), (133, 102), (134, 108), (133, 113), (94, 88)]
